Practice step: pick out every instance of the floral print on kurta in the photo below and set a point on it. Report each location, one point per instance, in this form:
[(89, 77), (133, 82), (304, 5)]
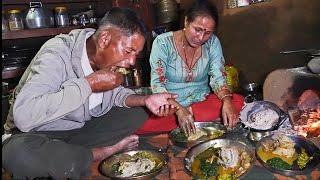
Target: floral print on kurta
[(169, 72)]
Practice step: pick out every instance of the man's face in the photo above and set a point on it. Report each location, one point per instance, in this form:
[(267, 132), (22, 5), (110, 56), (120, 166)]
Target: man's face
[(121, 50)]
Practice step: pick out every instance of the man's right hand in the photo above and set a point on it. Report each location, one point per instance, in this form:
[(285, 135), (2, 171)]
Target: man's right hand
[(104, 79)]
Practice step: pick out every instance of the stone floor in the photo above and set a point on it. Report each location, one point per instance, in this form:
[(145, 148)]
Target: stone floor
[(175, 168)]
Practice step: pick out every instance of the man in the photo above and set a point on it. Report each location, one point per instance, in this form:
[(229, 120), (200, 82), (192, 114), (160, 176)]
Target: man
[(67, 106)]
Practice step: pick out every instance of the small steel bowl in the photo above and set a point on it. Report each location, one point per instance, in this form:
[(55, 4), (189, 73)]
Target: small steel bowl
[(256, 136)]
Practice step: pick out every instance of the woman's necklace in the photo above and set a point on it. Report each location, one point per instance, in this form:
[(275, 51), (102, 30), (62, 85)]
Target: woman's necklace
[(191, 64)]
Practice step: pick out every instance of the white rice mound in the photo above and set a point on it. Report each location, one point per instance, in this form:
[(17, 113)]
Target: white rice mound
[(264, 119)]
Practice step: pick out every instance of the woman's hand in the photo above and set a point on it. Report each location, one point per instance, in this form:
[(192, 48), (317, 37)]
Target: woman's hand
[(230, 115), (186, 121)]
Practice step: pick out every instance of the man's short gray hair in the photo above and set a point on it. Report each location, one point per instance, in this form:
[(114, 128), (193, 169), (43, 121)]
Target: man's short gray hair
[(123, 18)]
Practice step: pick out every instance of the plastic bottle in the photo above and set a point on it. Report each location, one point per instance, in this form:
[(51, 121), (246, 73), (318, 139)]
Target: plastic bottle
[(232, 77)]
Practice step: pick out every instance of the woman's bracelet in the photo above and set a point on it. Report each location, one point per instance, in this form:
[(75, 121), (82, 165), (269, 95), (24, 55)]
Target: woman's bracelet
[(226, 95)]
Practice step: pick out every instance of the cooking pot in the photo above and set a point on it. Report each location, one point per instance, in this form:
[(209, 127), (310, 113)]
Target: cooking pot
[(38, 17)]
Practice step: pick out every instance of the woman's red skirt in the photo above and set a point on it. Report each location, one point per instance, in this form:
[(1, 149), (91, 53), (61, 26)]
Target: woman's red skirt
[(207, 110)]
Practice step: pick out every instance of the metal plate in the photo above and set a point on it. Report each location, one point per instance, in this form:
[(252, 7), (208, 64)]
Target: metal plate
[(105, 166), (249, 109), (217, 143), (183, 142), (300, 142)]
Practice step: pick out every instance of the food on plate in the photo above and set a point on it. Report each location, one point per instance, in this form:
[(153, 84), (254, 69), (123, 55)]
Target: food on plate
[(198, 134), (220, 163), (261, 115), (303, 159), (264, 119), (280, 152), (208, 132), (123, 70), (136, 165), (278, 163)]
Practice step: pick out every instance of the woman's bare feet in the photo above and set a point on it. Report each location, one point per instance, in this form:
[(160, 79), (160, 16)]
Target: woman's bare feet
[(126, 144)]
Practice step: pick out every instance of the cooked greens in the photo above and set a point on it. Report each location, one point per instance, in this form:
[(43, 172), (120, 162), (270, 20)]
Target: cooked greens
[(279, 163), (179, 136), (303, 159), (209, 168)]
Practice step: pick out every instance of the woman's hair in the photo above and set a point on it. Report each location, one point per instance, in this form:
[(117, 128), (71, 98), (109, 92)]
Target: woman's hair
[(202, 8), (123, 18)]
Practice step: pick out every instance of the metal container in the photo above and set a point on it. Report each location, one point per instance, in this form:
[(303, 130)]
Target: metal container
[(167, 11), (178, 139), (256, 136), (38, 17), (61, 16), (107, 166), (137, 77), (217, 143), (300, 142)]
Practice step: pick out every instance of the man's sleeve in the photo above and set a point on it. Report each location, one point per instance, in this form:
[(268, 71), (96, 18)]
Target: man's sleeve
[(46, 96)]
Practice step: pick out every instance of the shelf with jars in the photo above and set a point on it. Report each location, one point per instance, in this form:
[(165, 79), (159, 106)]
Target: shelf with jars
[(29, 33)]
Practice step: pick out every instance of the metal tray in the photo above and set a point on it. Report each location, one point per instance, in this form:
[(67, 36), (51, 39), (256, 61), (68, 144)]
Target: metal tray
[(217, 143), (300, 142), (256, 106), (105, 166), (185, 143)]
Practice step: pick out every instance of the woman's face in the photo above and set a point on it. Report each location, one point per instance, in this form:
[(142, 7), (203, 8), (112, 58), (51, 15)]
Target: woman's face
[(200, 30)]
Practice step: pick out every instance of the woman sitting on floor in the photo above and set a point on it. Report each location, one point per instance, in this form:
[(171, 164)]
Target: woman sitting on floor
[(189, 62)]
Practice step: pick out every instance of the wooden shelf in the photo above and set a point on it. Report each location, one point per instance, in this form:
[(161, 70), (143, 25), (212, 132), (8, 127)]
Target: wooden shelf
[(30, 33), (15, 2), (7, 74)]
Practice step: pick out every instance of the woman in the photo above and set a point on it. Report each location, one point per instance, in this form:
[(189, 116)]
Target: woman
[(189, 63)]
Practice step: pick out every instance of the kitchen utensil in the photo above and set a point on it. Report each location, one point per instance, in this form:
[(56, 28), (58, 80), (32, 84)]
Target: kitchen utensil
[(38, 17), (107, 166)]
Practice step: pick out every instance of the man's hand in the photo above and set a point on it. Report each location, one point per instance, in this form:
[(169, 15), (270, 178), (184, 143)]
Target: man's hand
[(186, 121), (105, 79), (158, 103), (230, 115), (167, 109)]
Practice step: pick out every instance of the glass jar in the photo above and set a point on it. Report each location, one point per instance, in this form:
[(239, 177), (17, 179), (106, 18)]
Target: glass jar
[(15, 20), (5, 27), (61, 16), (232, 4)]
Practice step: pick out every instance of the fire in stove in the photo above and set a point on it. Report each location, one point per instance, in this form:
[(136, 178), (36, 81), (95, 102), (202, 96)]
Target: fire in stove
[(306, 117)]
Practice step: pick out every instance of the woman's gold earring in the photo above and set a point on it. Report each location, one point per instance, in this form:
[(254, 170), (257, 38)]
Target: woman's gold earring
[(184, 29)]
